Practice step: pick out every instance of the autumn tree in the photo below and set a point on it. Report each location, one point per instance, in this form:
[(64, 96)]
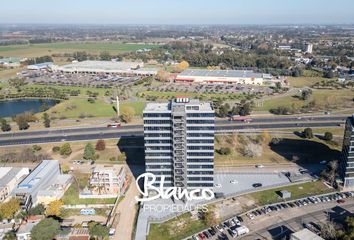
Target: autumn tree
[(266, 137), (100, 145), (9, 208), (182, 66), (127, 114), (163, 76), (54, 208)]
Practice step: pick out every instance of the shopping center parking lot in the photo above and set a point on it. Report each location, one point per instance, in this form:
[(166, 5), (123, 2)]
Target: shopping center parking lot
[(77, 79)]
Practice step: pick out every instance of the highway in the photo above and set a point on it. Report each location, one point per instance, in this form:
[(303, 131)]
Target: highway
[(101, 132)]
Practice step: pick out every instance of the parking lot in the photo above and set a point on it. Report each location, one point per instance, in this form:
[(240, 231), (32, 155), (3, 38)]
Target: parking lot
[(77, 79), (236, 226), (213, 88)]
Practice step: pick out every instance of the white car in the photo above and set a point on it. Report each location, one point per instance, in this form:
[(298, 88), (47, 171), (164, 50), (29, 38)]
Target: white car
[(217, 185), (234, 181), (259, 166)]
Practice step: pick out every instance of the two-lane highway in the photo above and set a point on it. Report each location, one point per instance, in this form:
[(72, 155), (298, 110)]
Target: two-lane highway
[(101, 132)]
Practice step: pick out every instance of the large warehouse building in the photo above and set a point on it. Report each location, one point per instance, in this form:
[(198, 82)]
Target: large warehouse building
[(222, 77), (106, 67)]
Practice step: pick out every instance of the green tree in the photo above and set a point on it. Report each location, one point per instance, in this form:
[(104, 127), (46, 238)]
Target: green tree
[(89, 152), (5, 127), (10, 236), (37, 210), (98, 231), (22, 122), (46, 120), (328, 136), (46, 229), (308, 133), (65, 150)]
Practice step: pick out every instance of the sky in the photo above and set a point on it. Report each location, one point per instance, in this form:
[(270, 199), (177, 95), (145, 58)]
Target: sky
[(177, 11)]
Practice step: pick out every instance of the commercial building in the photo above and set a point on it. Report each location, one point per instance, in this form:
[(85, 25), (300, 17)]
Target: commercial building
[(9, 178), (222, 77), (309, 48), (179, 142), (11, 62), (106, 67), (347, 162), (40, 66), (108, 180), (45, 176), (305, 234)]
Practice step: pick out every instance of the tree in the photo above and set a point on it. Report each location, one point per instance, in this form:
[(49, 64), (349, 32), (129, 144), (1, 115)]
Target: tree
[(182, 66), (54, 208), (328, 231), (22, 122), (210, 218), (163, 76), (266, 137), (105, 56), (98, 231), (46, 120), (5, 127), (37, 210), (306, 94), (253, 150), (9, 208), (65, 150), (89, 152), (127, 114), (122, 157), (224, 151), (100, 145), (332, 171), (328, 136), (46, 229), (10, 236), (308, 133)]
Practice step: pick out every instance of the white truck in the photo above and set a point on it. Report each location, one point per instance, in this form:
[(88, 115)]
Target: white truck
[(242, 230)]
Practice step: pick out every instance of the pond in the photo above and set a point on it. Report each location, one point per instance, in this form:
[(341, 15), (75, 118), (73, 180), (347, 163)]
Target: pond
[(11, 108)]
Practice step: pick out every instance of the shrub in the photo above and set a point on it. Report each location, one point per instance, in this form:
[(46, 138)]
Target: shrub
[(100, 145), (224, 151), (65, 150), (328, 136), (36, 148), (308, 133), (113, 159), (56, 149)]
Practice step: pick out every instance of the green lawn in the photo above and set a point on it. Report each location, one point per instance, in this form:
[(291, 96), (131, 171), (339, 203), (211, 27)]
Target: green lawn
[(32, 50), (83, 90), (297, 191), (176, 228), (76, 107), (323, 98), (71, 197)]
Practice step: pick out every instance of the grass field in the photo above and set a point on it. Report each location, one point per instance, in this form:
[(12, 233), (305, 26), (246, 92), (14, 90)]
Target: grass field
[(34, 50), (71, 196), (323, 99), (297, 191), (288, 149), (304, 81), (176, 228)]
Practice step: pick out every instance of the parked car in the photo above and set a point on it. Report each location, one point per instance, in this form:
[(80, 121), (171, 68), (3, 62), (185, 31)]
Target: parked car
[(256, 185)]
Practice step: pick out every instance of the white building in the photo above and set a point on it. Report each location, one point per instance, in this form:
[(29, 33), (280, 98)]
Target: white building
[(9, 178), (108, 180), (309, 48), (106, 67), (222, 77), (305, 234)]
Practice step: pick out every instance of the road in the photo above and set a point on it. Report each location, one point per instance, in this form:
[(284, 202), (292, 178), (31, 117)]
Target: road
[(101, 132)]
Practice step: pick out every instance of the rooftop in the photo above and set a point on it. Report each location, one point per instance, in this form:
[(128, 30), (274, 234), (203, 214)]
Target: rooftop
[(220, 73), (7, 174), (166, 106), (306, 234), (103, 65)]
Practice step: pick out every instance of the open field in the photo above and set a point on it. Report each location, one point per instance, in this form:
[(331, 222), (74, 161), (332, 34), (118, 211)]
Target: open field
[(289, 149), (176, 228), (297, 191), (304, 81), (35, 50), (9, 73), (323, 99)]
